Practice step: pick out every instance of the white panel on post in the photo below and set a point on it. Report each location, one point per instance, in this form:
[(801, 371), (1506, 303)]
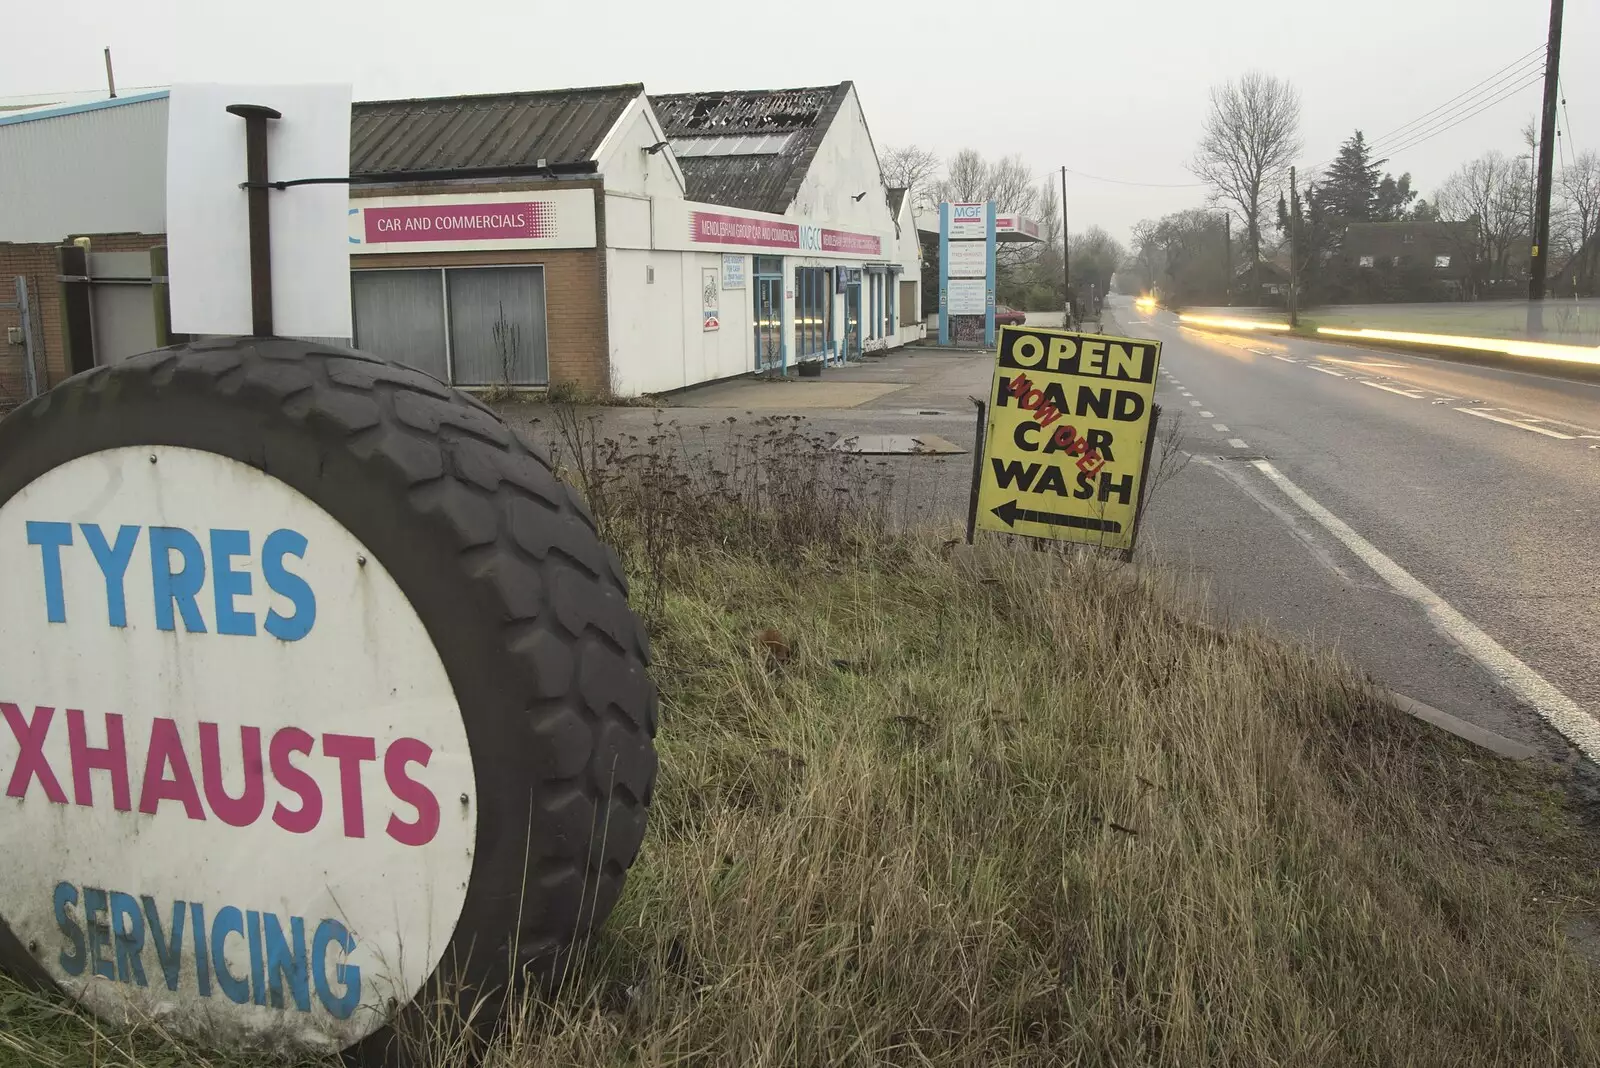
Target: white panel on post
[(208, 223)]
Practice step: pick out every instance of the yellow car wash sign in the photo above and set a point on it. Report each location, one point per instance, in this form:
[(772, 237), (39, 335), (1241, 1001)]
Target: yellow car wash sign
[(1069, 419)]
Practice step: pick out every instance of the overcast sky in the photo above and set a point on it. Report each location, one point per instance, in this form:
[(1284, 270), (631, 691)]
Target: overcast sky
[(1116, 90)]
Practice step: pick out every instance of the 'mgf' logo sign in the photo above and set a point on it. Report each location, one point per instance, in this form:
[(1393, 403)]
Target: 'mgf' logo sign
[(969, 213)]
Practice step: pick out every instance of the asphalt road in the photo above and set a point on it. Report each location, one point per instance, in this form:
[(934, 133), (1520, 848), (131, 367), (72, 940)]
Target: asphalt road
[(1437, 521)]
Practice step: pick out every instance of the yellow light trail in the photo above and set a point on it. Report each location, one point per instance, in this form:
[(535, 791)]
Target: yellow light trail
[(1231, 324), (1540, 350)]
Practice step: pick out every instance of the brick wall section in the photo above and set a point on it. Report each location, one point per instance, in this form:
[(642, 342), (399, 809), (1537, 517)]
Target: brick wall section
[(38, 264), (578, 340)]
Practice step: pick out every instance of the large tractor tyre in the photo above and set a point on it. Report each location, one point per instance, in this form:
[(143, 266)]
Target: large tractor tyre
[(524, 605)]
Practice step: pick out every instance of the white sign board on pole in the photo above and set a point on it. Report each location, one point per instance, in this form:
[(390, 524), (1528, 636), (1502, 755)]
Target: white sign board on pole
[(208, 220), (967, 296), (968, 259), (969, 221)]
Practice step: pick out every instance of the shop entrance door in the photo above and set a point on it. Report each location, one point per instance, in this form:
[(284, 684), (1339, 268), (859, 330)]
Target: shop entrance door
[(768, 296), (852, 321)]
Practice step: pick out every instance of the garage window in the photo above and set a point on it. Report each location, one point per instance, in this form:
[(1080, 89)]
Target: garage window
[(470, 326)]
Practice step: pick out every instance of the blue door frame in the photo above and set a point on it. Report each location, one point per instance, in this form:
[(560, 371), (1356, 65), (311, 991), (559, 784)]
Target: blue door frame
[(767, 296)]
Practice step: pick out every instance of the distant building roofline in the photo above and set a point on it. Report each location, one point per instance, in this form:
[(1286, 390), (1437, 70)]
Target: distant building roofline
[(46, 111)]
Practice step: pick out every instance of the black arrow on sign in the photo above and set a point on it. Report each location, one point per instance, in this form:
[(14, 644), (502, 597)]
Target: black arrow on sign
[(1009, 513)]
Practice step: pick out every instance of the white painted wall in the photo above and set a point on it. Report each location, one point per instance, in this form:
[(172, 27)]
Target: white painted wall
[(627, 167), (658, 342), (846, 163), (908, 251), (627, 220)]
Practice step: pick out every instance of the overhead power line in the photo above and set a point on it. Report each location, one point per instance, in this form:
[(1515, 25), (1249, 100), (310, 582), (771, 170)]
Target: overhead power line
[(1568, 145), (1433, 132), (1458, 106), (1129, 181), (1510, 72)]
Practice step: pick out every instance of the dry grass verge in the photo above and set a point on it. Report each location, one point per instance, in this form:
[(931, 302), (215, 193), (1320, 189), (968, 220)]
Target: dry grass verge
[(928, 805)]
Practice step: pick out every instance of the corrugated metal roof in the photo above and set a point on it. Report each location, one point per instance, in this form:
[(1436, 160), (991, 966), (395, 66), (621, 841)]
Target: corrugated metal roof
[(48, 192), (560, 126), (753, 182), (15, 113)]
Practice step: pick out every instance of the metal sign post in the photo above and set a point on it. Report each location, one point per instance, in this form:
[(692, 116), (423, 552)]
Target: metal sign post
[(255, 118)]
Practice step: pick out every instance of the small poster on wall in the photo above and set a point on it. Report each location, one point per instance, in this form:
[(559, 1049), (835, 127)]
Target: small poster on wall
[(709, 290), (732, 271)]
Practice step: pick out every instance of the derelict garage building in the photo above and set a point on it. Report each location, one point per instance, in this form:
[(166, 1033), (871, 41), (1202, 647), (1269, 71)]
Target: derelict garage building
[(516, 239)]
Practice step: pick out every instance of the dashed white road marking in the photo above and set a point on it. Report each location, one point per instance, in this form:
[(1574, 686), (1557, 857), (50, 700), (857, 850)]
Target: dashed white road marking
[(1411, 393), (1221, 428), (1237, 443), (1285, 359), (1324, 370), (1185, 392), (1205, 415), (1527, 685), (1482, 414), (1194, 404)]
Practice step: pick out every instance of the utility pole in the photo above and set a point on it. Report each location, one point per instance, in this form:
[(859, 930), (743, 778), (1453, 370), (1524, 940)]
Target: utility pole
[(1294, 274), (1066, 257), (1538, 262), (1227, 257)]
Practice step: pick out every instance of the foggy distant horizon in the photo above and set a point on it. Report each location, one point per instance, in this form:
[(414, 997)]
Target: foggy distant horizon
[(1122, 110)]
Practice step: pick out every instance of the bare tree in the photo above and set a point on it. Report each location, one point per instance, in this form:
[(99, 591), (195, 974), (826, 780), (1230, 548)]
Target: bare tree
[(1009, 182), (1490, 193), (1147, 252), (913, 169), (1252, 134), (966, 177), (1047, 211), (1579, 185)]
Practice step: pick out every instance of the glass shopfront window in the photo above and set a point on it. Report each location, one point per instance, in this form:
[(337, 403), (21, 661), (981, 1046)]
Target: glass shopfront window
[(470, 326), (811, 299)]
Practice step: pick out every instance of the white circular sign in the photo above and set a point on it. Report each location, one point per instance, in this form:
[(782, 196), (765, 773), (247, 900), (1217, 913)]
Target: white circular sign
[(235, 788)]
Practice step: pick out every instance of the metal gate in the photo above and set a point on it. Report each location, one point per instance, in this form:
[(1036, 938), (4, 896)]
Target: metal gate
[(20, 312)]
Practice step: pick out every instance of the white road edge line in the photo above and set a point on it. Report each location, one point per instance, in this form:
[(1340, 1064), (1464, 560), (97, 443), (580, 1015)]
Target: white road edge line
[(1520, 426), (1237, 443), (1393, 389), (1221, 428), (1527, 685), (1324, 370)]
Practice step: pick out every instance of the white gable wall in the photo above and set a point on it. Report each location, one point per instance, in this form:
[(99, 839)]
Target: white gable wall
[(846, 163)]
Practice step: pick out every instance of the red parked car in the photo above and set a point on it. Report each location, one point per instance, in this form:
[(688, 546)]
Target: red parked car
[(1004, 316)]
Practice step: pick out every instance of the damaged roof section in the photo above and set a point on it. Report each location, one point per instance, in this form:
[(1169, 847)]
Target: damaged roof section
[(748, 149), (475, 133)]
